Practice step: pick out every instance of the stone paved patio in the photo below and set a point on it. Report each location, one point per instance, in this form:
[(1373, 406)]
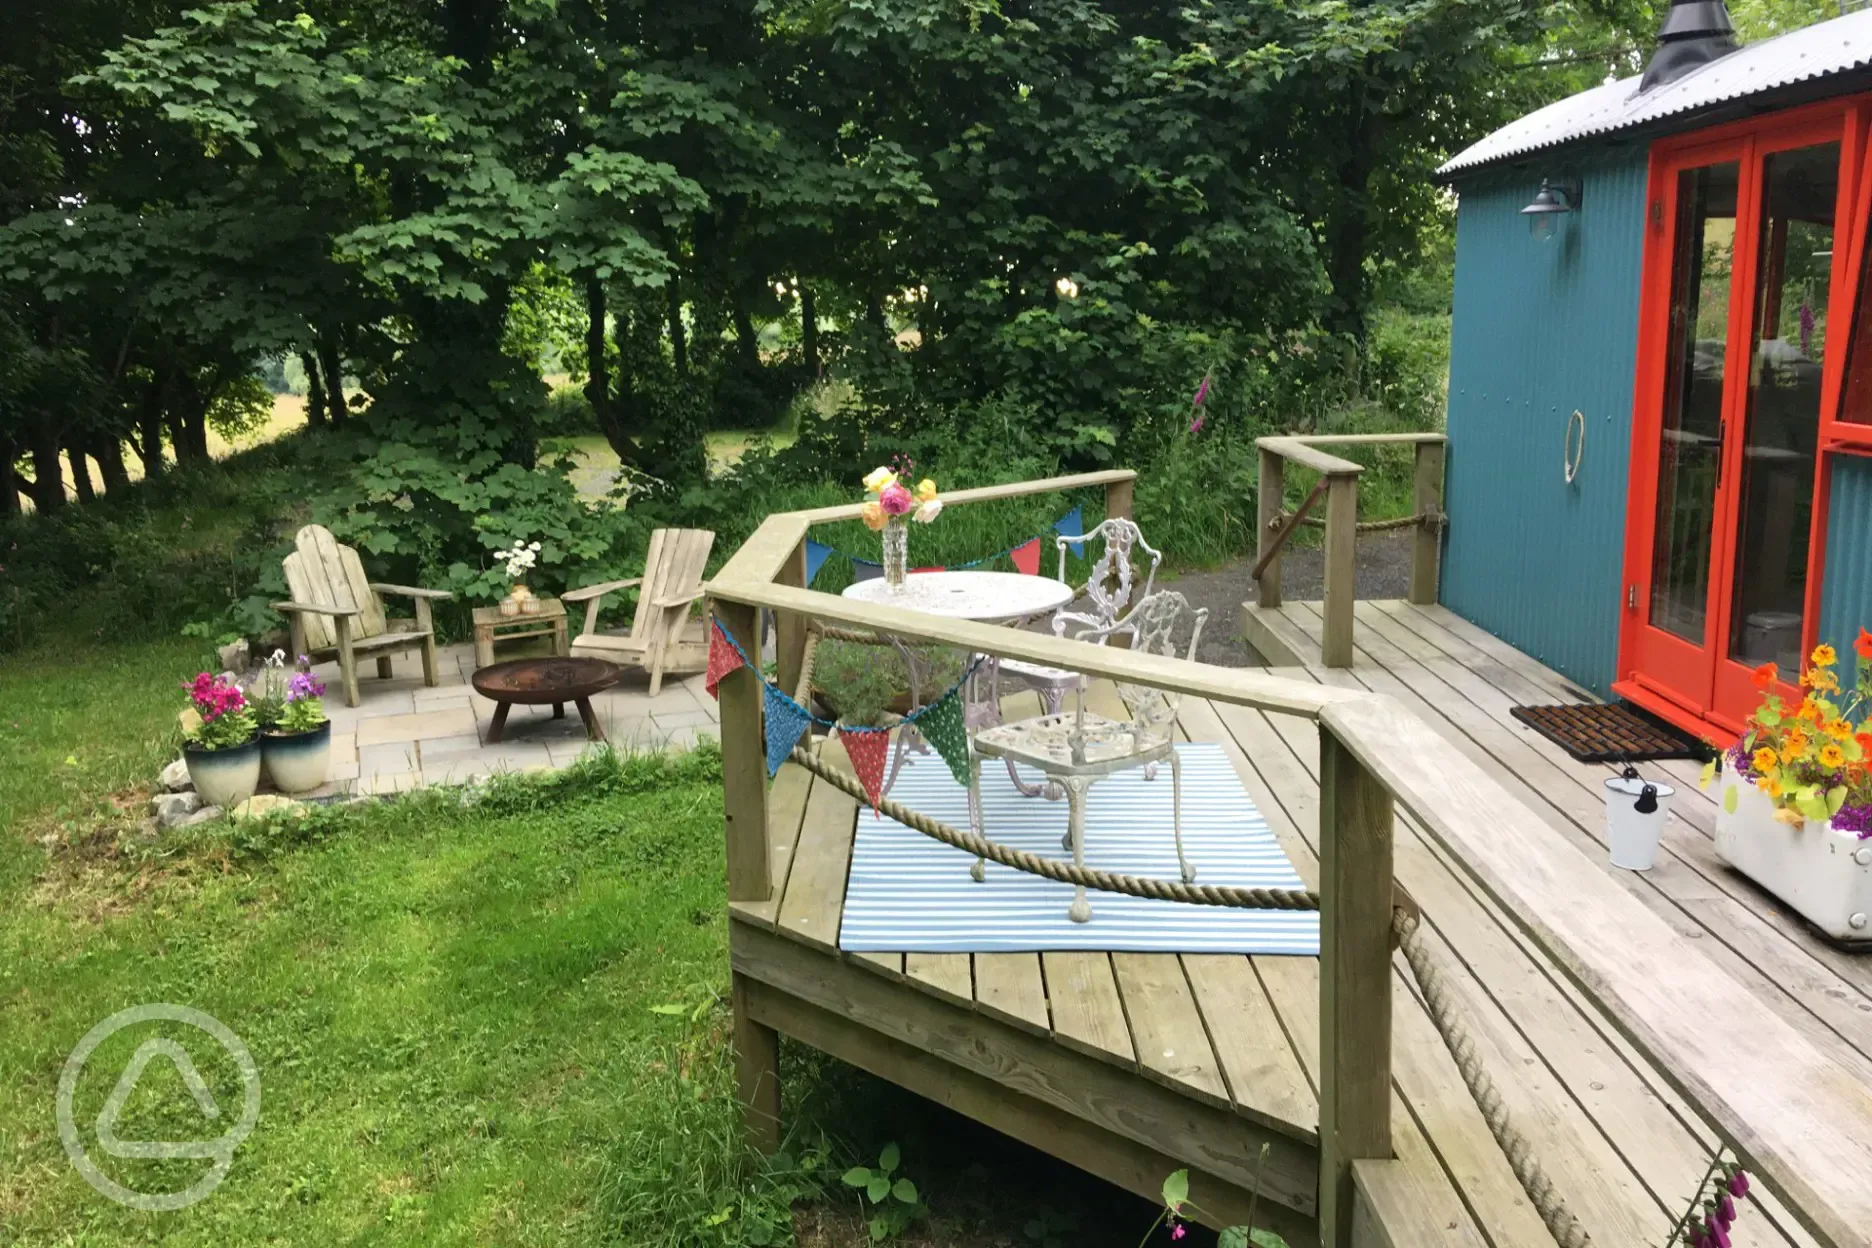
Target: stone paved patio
[(405, 736)]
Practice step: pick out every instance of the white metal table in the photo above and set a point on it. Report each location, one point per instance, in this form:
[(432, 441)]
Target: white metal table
[(987, 597)]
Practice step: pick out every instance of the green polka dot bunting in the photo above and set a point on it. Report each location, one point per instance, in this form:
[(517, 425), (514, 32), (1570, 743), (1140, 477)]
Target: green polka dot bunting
[(942, 726)]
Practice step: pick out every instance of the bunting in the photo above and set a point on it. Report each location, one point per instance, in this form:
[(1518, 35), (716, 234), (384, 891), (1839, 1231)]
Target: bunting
[(1026, 557), (1072, 524), (723, 657), (787, 721), (816, 555), (865, 570), (943, 727), (868, 751)]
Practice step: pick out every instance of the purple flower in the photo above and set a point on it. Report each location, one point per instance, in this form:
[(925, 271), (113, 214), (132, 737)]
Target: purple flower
[(1197, 424), (1738, 1184), (1854, 817), (304, 685), (1718, 1235), (1725, 1207), (1202, 392)]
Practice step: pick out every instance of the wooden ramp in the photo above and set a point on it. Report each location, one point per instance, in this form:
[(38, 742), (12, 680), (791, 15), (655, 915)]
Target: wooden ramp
[(1133, 1065)]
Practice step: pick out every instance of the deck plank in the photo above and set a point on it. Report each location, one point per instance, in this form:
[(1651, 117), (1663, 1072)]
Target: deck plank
[(1172, 1045), (786, 809), (1257, 1059), (1088, 1014), (1009, 986), (946, 975), (815, 895)]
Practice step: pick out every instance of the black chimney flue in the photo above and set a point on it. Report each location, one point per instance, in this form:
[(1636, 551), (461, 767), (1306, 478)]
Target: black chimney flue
[(1695, 33)]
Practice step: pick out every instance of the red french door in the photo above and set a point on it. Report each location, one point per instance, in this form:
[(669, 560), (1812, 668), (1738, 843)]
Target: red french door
[(1734, 375)]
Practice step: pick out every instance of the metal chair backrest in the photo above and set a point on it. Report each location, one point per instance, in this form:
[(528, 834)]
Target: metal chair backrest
[(1153, 626), (1108, 587)]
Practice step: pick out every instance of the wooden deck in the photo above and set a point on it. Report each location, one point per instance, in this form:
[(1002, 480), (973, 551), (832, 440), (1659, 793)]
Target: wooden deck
[(1131, 1065)]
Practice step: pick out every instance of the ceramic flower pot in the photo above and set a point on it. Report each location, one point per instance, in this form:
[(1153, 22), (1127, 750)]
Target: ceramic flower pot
[(1820, 872), (224, 778), (298, 762)]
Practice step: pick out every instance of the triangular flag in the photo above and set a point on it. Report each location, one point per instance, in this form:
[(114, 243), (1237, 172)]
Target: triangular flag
[(786, 720), (723, 658), (816, 555), (941, 726), (934, 567), (1072, 524), (867, 751), (865, 570), (1026, 556)]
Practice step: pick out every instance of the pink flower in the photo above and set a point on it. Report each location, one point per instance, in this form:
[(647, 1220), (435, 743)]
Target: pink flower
[(1177, 1230), (1739, 1185), (897, 501), (1197, 424), (1202, 392)]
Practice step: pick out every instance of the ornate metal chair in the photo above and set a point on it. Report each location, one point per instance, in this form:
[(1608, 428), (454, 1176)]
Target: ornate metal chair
[(1079, 749), (1106, 593)]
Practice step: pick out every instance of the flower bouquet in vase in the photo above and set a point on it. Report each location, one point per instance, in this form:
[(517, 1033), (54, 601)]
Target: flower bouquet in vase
[(890, 507), (518, 560), (1795, 809)]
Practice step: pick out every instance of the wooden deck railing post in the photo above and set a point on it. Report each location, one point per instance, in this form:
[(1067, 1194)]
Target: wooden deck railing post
[(1341, 562), (1118, 499), (790, 626), (1426, 500), (1356, 892), (744, 763), (1269, 497)]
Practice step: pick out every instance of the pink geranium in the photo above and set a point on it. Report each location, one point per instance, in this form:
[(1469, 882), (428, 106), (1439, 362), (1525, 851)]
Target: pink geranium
[(897, 501), (215, 697)]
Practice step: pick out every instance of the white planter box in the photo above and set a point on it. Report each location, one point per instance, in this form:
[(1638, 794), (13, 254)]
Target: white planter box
[(1824, 875)]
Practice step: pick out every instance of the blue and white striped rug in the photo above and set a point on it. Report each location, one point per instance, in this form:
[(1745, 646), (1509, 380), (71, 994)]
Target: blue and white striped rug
[(912, 894)]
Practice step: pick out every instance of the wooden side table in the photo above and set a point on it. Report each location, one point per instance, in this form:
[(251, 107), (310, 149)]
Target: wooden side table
[(491, 626)]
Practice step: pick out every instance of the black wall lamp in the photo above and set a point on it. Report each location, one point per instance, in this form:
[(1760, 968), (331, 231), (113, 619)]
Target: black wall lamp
[(1556, 196)]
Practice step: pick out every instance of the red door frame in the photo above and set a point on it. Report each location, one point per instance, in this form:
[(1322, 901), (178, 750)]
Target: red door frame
[(1699, 687)]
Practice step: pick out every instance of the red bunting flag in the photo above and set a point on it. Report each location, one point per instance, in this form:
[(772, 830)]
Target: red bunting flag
[(935, 567), (867, 751), (722, 659), (1026, 557)]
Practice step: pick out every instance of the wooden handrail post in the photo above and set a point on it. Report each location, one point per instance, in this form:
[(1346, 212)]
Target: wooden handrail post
[(1426, 500), (790, 626), (744, 762), (1269, 496), (1118, 499), (1341, 563), (1356, 891)]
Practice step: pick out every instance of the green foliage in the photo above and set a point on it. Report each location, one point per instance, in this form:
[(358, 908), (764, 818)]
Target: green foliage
[(895, 1205)]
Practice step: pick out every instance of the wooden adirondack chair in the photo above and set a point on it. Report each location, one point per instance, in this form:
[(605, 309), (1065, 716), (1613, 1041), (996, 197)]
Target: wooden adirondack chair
[(335, 611), (663, 637)]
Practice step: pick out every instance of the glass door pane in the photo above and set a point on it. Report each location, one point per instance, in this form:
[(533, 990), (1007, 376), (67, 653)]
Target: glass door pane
[(1793, 279), (1690, 452)]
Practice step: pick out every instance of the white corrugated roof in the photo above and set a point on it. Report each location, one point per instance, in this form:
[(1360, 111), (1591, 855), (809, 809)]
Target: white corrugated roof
[(1830, 47)]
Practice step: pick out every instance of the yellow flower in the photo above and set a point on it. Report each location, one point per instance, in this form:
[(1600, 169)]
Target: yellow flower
[(1764, 760), (1808, 711), (1832, 756), (873, 516), (1823, 681), (1838, 729), (880, 480), (926, 490), (1824, 656), (1772, 787)]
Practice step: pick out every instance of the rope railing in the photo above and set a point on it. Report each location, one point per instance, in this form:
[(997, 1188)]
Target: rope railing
[(1430, 519), (1425, 962)]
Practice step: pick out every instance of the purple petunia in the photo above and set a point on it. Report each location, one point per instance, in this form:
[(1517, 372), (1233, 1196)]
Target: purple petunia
[(1854, 817), (304, 685)]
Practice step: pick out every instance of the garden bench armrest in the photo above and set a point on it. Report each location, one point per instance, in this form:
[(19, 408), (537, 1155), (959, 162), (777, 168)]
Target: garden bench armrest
[(410, 591), (598, 590), (315, 609), (679, 600)]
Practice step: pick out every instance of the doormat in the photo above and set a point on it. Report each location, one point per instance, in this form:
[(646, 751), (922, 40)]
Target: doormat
[(1607, 732)]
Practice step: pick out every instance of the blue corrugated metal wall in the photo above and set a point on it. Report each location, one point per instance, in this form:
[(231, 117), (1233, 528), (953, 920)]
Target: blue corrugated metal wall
[(1542, 329), (1846, 595)]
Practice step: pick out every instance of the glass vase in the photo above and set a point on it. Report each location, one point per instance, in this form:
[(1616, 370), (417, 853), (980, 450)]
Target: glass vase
[(896, 537)]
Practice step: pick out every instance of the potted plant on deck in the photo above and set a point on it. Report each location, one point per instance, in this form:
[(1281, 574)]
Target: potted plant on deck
[(222, 743), (297, 747), (1796, 800)]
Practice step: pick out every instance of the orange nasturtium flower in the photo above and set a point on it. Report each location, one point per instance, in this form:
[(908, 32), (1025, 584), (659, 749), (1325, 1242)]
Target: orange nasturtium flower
[(1838, 729), (1772, 787), (1765, 760), (1864, 644), (1809, 711), (1832, 756), (1824, 655), (1865, 743), (1763, 676)]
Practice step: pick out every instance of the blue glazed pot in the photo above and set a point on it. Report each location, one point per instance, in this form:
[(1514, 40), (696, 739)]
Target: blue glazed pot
[(298, 762), (224, 778)]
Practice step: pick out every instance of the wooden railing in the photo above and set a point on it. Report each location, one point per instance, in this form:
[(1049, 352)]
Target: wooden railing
[(1338, 482), (1800, 1121)]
